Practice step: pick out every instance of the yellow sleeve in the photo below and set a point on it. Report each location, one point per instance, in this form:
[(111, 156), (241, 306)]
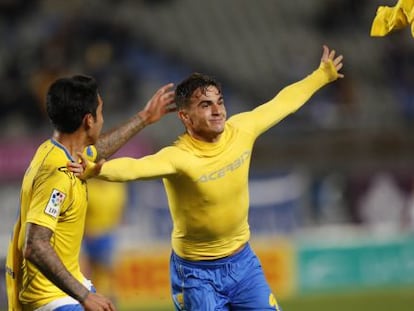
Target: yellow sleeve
[(388, 19), (51, 190), (287, 101), (149, 167), (91, 153)]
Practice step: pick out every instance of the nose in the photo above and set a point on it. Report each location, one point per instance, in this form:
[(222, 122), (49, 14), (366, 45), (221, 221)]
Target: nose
[(215, 109)]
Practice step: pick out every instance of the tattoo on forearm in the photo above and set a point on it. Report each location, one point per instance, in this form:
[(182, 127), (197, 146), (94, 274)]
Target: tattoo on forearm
[(40, 252), (109, 142)]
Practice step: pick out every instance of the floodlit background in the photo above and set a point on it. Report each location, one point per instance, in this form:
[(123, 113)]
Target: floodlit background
[(332, 186)]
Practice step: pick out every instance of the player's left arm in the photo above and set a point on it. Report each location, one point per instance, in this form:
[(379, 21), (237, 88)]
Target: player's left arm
[(293, 96), (159, 105), (39, 251)]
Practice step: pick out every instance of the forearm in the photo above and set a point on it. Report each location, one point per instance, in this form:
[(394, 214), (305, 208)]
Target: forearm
[(295, 95), (110, 142), (292, 97), (40, 253), (128, 169)]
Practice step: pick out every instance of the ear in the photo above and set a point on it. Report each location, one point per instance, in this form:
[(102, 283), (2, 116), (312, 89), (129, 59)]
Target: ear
[(88, 121), (183, 115)]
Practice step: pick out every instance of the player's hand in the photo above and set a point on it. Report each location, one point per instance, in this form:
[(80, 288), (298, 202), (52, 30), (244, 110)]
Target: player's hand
[(329, 57), (85, 169), (161, 103), (97, 302)]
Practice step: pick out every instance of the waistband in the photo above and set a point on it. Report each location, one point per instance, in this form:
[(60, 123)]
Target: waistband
[(245, 250)]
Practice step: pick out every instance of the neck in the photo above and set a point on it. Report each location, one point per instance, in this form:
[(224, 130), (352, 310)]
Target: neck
[(74, 142), (206, 138)]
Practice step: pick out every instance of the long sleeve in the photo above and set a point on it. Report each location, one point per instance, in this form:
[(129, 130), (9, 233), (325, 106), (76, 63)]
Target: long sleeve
[(127, 169), (287, 101)]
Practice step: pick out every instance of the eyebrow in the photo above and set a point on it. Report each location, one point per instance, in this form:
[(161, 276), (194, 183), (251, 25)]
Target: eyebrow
[(208, 101)]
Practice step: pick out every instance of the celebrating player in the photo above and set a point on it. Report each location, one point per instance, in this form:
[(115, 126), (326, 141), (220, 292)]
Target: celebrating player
[(205, 174), (43, 258)]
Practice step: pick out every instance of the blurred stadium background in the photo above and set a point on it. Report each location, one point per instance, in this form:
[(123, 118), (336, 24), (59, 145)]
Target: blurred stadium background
[(332, 186)]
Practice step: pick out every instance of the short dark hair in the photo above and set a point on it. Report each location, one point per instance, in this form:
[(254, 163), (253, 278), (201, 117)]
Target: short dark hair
[(69, 100), (186, 88)]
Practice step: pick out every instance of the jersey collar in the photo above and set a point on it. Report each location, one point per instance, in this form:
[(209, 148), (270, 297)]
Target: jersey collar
[(60, 146)]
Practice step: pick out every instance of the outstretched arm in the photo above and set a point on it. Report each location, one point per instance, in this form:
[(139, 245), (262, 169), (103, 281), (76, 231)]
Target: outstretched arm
[(294, 96), (159, 105), (158, 165)]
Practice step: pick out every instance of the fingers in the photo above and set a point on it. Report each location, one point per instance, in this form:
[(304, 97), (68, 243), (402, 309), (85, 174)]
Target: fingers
[(164, 90), (166, 87), (171, 108), (75, 168), (168, 97), (165, 95), (330, 55), (97, 301), (338, 60), (325, 52), (83, 159), (112, 306)]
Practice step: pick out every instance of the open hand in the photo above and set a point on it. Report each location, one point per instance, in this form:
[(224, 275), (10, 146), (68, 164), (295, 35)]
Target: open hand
[(85, 169), (330, 55), (161, 103)]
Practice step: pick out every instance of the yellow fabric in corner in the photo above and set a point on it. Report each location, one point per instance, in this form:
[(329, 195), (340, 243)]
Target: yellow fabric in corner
[(389, 19)]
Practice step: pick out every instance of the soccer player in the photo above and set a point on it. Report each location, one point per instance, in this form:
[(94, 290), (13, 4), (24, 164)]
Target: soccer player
[(42, 268), (106, 204), (205, 174)]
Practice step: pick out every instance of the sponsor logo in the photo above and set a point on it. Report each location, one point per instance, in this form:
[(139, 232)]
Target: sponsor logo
[(226, 169)]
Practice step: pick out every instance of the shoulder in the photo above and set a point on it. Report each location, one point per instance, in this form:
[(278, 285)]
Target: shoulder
[(50, 165)]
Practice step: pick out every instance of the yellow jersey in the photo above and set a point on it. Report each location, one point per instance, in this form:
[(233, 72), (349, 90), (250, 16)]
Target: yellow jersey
[(106, 202), (207, 183), (51, 196)]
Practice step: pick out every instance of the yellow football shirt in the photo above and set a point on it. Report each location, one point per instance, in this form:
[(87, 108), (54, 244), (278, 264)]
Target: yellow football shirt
[(106, 202), (52, 197), (207, 183)]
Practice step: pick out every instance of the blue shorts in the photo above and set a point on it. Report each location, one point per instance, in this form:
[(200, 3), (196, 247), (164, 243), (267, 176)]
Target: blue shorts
[(73, 306), (100, 249), (233, 283)]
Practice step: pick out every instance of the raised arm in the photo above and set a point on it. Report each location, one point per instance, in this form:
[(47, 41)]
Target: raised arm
[(294, 96), (160, 104)]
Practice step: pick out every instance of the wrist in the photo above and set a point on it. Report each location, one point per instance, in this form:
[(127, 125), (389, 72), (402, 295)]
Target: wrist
[(329, 71), (143, 118), (83, 297)]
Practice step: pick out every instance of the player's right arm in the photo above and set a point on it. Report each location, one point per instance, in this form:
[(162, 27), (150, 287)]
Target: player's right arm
[(153, 166), (38, 250)]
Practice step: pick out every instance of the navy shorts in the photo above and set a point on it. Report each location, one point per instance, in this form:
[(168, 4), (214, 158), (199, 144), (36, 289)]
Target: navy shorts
[(233, 283)]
